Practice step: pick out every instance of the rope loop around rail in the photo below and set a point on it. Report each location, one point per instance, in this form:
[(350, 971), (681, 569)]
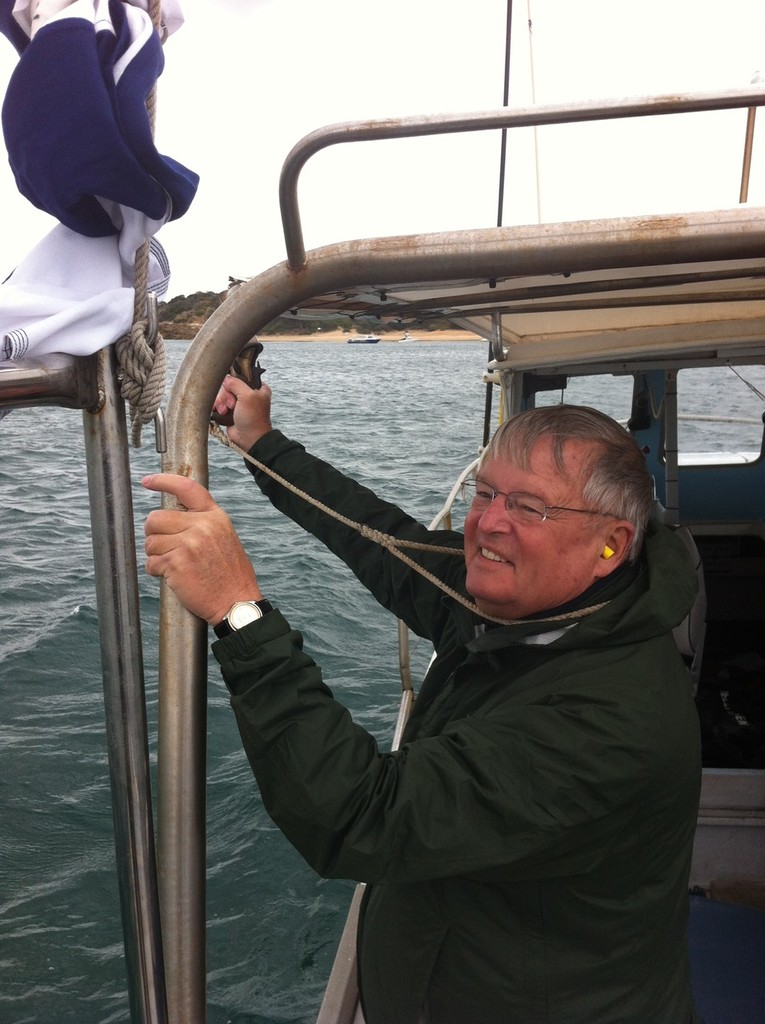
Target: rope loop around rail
[(142, 358)]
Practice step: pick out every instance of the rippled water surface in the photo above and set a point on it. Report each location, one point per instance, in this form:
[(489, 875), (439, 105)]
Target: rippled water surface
[(405, 419)]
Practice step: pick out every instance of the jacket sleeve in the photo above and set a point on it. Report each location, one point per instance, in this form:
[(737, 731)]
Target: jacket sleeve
[(524, 789), (390, 580)]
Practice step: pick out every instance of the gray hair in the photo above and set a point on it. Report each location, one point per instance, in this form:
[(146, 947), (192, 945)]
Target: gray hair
[(616, 478)]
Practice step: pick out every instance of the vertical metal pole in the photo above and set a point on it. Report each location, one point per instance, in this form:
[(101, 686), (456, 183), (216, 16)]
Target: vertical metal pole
[(114, 554), (743, 195), (671, 453), (181, 775), (181, 806), (747, 163), (183, 654)]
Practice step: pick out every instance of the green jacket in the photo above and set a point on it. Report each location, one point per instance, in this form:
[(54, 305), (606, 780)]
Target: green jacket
[(528, 846)]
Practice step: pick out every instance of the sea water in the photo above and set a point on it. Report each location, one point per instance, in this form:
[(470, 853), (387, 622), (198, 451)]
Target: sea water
[(403, 419)]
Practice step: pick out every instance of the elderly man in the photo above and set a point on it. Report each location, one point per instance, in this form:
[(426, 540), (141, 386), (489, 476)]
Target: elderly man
[(527, 848)]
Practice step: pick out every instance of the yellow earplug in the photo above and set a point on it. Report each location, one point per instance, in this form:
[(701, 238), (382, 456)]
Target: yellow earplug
[(607, 552)]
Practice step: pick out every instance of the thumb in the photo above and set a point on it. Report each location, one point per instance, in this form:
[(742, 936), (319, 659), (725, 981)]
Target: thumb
[(189, 493)]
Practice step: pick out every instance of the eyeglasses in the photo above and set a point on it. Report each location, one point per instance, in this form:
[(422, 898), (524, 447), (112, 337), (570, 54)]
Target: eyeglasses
[(526, 508)]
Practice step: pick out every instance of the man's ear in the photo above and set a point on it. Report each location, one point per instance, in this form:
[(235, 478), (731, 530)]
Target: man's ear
[(616, 547)]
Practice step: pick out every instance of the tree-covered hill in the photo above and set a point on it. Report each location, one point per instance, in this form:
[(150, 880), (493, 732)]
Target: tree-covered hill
[(182, 316)]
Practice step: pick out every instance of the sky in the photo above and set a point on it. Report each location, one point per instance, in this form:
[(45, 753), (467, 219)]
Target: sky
[(244, 80)]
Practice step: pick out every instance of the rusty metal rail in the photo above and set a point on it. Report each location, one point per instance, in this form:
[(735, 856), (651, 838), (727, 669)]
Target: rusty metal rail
[(488, 120)]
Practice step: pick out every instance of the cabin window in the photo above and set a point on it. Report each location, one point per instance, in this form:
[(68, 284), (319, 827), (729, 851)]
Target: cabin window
[(608, 392), (720, 410)]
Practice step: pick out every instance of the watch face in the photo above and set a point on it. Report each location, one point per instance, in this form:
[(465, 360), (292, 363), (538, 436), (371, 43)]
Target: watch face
[(242, 613)]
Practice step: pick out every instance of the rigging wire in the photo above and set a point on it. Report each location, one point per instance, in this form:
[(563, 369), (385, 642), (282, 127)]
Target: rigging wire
[(496, 326), (749, 384), (505, 101)]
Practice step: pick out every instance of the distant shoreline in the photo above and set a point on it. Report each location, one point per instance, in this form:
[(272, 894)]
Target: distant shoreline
[(427, 337)]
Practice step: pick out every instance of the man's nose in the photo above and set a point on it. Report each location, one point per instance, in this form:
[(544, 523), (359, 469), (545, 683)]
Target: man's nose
[(495, 516)]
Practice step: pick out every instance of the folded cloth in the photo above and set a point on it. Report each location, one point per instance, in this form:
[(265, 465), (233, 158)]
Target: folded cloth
[(72, 294), (80, 144), (75, 120), (31, 15)]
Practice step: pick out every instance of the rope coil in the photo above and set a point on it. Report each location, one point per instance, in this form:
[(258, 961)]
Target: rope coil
[(143, 364)]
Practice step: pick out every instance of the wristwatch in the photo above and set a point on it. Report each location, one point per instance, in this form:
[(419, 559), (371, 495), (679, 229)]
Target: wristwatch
[(240, 614)]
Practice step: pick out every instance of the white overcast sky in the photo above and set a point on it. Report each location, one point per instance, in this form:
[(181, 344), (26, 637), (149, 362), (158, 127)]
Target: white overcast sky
[(245, 79)]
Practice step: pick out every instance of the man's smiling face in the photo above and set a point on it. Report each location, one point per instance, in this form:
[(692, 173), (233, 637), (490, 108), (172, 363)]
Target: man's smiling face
[(517, 568)]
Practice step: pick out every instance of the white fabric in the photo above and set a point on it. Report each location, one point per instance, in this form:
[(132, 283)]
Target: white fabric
[(72, 294), (544, 638), (75, 294), (31, 15)]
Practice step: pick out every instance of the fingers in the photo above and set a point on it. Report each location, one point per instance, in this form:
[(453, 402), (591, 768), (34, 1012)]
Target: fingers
[(196, 550), (240, 389), (231, 390), (245, 411), (225, 400), (171, 533), (189, 493)]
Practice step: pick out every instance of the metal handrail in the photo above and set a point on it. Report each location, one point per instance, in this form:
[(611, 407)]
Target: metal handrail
[(116, 578), (90, 384), (54, 379), (487, 120)]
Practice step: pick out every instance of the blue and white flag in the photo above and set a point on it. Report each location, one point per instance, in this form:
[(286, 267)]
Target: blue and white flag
[(74, 116), (81, 147)]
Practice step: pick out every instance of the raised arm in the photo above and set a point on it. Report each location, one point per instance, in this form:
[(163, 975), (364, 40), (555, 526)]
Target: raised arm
[(393, 583)]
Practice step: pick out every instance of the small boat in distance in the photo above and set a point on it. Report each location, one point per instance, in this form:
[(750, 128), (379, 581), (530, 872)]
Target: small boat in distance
[(364, 339)]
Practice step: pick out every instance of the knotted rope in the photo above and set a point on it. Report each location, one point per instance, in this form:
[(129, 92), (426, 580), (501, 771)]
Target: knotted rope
[(392, 544), (141, 353)]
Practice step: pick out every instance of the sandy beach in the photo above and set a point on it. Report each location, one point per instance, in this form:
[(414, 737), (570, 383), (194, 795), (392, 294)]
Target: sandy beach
[(385, 339), (393, 337)]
